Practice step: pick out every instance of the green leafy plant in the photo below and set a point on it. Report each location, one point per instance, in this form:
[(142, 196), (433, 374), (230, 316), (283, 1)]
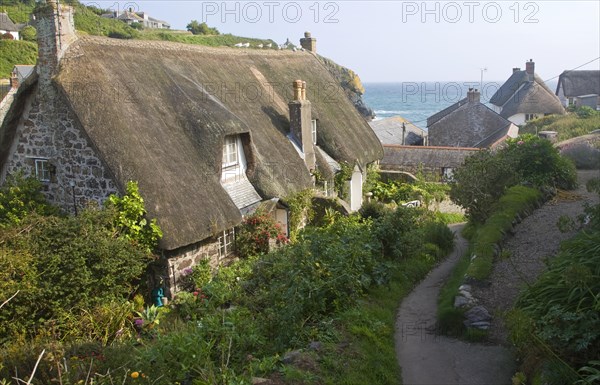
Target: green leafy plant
[(131, 218)]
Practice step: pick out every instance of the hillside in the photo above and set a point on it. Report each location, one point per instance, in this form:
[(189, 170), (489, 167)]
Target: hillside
[(15, 52), (574, 124)]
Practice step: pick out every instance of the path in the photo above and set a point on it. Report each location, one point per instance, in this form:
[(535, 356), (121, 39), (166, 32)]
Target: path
[(427, 358), (535, 239)]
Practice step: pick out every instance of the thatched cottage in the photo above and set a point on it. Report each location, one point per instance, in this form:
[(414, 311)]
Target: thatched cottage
[(208, 133), (525, 96), (579, 88)]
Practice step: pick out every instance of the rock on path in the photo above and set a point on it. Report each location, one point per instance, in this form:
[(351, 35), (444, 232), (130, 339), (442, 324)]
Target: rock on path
[(428, 358)]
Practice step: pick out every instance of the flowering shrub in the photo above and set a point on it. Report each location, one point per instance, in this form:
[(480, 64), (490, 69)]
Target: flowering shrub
[(256, 232)]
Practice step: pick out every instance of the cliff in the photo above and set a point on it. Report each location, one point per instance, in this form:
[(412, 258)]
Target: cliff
[(351, 84)]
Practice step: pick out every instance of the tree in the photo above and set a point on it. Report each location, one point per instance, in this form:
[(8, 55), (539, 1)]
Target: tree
[(201, 28), (29, 33)]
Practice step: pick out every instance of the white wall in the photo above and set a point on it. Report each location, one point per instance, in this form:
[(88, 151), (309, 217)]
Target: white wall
[(518, 119), (356, 189), (15, 34)]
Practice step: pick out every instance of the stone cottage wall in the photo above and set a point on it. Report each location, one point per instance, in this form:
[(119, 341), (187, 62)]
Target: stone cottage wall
[(187, 257), (51, 131)]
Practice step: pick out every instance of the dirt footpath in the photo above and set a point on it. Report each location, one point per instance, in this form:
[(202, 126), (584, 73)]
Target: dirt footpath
[(535, 240), (428, 358)]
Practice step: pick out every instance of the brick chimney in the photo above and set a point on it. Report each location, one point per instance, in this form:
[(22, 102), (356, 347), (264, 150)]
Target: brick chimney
[(473, 95), (530, 69), (309, 43), (516, 69), (55, 32), (14, 79), (301, 123)]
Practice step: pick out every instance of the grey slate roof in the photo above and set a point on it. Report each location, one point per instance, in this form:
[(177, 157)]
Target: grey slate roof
[(23, 71), (579, 83), (519, 95), (6, 24), (400, 158), (389, 131), (469, 124), (439, 115), (242, 193)]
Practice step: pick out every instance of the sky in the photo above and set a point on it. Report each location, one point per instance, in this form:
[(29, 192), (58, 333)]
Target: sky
[(399, 41)]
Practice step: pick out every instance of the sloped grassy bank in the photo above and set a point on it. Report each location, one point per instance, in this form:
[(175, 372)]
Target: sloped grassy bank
[(496, 189), (555, 324)]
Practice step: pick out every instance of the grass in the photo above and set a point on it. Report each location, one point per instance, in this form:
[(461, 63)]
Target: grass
[(18, 13), (368, 332), (14, 52), (227, 40), (450, 319), (449, 218), (517, 199), (567, 126)]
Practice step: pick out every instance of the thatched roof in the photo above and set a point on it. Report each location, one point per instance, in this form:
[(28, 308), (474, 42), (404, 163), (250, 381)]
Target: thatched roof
[(6, 24), (158, 113), (401, 158), (519, 95), (467, 124), (389, 131), (578, 83)]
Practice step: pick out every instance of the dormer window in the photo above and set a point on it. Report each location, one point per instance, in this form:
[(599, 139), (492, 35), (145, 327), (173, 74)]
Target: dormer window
[(233, 163), (230, 151)]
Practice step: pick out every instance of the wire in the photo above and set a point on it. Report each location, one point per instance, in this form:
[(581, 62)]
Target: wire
[(573, 69), (547, 80)]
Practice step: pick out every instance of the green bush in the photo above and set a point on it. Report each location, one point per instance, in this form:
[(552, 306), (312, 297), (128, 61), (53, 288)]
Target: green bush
[(29, 33), (484, 177), (20, 197)]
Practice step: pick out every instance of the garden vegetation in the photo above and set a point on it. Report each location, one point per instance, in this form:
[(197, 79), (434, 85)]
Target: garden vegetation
[(75, 284)]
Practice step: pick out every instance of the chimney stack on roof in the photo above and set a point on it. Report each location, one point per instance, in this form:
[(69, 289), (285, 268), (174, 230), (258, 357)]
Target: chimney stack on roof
[(301, 123), (530, 69), (473, 95), (516, 69), (309, 43), (14, 79)]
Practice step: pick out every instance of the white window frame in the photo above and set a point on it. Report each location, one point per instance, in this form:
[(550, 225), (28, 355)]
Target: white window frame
[(42, 170), (231, 156), (227, 242), (313, 130)]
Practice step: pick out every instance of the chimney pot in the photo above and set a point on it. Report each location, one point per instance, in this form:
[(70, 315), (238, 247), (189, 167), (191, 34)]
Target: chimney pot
[(303, 94), (473, 96), (297, 89)]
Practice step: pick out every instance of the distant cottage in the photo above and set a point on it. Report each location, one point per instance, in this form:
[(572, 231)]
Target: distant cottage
[(525, 96), (398, 131), (209, 134), (7, 26), (469, 123), (129, 17), (579, 88)]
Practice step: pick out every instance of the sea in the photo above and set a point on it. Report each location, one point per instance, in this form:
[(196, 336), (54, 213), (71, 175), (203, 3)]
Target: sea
[(416, 101)]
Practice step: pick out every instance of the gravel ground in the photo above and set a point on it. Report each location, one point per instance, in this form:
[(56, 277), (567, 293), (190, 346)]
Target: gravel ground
[(535, 239)]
